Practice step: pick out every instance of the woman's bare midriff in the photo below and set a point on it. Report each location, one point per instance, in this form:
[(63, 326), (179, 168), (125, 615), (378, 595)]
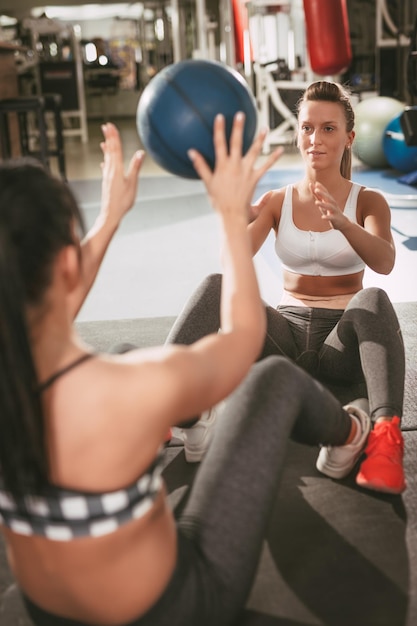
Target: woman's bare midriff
[(108, 580), (326, 292)]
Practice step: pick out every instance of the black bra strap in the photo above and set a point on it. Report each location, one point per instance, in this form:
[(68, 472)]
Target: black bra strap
[(64, 370)]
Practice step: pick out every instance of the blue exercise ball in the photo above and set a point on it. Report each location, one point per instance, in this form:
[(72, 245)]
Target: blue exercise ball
[(177, 109), (371, 118), (400, 156)]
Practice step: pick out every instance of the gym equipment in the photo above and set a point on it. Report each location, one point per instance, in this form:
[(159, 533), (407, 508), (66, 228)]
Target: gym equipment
[(58, 73), (408, 121), (34, 109), (279, 64), (177, 109), (371, 118), (328, 38), (269, 92), (400, 156), (392, 46), (240, 25)]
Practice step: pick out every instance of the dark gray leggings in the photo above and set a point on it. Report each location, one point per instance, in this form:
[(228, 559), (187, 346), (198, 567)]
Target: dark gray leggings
[(221, 530), (357, 351)]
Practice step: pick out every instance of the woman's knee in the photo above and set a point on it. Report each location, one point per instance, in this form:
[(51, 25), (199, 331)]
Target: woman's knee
[(212, 282), (208, 293), (371, 316), (275, 373), (266, 398), (373, 299)]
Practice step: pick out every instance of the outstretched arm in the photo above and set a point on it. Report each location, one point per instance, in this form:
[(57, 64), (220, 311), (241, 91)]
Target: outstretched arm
[(118, 194), (198, 376), (207, 371)]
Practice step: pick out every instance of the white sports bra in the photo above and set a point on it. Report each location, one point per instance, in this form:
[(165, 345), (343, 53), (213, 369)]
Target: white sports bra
[(313, 253)]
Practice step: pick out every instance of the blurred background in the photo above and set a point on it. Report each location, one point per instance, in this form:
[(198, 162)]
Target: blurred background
[(68, 67), (99, 57)]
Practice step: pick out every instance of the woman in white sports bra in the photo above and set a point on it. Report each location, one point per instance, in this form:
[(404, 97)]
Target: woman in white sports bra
[(328, 230)]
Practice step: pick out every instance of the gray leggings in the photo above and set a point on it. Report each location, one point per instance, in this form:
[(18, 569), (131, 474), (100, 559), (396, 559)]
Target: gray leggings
[(223, 525), (356, 352)]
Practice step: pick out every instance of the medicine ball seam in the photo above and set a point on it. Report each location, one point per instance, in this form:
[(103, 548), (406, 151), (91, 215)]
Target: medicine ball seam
[(188, 101), (240, 89), (237, 90), (176, 157)]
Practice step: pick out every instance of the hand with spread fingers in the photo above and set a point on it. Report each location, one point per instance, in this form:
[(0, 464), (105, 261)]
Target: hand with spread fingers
[(232, 183)]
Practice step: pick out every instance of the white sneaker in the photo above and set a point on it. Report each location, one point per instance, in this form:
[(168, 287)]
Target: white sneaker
[(198, 438), (338, 461)]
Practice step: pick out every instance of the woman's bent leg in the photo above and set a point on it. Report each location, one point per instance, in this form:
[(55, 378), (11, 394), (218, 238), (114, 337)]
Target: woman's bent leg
[(201, 314), (368, 339), (367, 343), (237, 483)]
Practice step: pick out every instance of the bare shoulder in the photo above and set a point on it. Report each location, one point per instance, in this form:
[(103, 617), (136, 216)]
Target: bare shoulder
[(120, 403), (141, 374), (275, 200), (278, 195), (140, 371), (370, 194), (113, 414), (118, 387), (372, 201)]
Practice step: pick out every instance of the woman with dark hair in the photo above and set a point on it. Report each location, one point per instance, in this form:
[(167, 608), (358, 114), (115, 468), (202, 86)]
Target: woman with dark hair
[(327, 229), (90, 536)]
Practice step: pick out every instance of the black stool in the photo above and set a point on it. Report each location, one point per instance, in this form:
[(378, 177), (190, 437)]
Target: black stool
[(37, 106)]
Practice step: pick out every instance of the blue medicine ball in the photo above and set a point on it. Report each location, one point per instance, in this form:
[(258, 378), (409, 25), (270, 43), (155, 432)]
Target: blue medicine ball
[(177, 109), (400, 156)]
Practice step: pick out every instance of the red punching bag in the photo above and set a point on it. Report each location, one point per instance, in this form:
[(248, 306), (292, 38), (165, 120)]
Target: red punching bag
[(328, 38), (240, 21)]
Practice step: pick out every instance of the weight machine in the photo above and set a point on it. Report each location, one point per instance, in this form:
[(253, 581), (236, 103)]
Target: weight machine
[(57, 68), (276, 34)]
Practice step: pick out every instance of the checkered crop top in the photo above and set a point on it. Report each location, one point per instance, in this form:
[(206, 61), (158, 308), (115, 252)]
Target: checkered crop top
[(65, 514)]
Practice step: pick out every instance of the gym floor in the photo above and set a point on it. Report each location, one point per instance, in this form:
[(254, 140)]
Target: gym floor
[(172, 232)]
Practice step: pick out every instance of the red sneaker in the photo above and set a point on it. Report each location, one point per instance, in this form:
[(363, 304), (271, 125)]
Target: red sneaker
[(382, 470)]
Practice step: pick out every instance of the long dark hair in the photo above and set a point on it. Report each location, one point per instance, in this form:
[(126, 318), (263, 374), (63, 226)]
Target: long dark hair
[(38, 217), (333, 92)]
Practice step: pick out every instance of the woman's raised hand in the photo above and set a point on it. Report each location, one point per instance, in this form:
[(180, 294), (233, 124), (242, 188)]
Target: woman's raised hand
[(118, 191), (231, 184), (328, 206)]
